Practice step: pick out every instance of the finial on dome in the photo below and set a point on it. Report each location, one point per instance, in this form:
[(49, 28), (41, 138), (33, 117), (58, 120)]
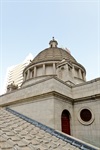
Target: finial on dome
[(53, 38), (53, 43)]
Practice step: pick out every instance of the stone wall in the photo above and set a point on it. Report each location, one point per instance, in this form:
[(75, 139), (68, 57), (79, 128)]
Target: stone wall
[(61, 104), (45, 100), (39, 88), (86, 89), (41, 110), (87, 131)]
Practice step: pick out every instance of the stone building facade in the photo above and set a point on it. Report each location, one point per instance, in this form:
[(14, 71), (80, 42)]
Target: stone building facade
[(55, 92)]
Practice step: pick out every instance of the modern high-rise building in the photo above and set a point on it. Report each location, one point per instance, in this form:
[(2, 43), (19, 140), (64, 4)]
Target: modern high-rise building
[(15, 73)]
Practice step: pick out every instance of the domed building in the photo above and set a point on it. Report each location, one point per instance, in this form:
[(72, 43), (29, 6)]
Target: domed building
[(55, 93), (54, 61)]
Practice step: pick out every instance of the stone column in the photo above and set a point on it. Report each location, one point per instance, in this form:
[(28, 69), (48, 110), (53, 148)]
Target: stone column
[(80, 74), (35, 71), (28, 74), (84, 77), (44, 69), (54, 68)]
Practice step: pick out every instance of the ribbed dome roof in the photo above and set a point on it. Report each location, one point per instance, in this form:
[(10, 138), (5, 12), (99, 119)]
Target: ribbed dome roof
[(53, 54)]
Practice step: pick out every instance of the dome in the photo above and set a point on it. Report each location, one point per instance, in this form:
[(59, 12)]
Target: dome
[(53, 54)]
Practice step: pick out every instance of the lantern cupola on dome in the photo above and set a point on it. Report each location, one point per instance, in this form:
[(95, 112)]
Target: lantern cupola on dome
[(53, 43)]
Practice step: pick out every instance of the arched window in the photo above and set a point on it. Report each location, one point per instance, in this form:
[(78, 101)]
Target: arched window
[(65, 121)]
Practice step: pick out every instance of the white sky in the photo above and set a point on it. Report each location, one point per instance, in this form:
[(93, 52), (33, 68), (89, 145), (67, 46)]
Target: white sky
[(27, 26)]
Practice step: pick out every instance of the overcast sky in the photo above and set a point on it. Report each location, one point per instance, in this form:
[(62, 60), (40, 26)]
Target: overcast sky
[(27, 26)]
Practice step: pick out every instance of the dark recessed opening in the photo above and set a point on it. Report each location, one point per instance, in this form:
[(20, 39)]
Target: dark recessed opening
[(85, 115)]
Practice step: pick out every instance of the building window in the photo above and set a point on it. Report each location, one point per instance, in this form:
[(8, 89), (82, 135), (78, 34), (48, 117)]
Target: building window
[(25, 75), (32, 73), (85, 116), (65, 121)]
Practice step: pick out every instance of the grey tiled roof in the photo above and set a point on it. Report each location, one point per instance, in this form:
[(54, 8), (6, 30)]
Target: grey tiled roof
[(18, 132)]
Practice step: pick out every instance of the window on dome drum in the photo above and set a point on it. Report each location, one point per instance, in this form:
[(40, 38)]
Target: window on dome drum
[(82, 75), (25, 75), (65, 121), (85, 115), (32, 74)]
